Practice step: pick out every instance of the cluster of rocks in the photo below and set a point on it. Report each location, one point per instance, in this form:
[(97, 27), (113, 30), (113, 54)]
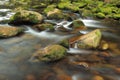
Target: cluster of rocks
[(91, 40)]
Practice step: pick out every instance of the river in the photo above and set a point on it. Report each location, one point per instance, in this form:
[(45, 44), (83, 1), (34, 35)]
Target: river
[(15, 53)]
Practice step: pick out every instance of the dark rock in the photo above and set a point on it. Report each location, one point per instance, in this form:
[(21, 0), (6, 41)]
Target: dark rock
[(26, 17)]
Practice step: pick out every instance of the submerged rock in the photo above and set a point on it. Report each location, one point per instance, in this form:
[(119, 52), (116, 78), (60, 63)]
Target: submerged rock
[(104, 45), (49, 53), (89, 40), (98, 78), (44, 26), (6, 31), (26, 17)]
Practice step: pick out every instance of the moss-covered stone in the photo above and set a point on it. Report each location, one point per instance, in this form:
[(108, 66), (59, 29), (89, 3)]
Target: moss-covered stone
[(80, 4), (44, 26), (87, 41), (105, 10), (6, 31), (49, 53), (49, 8), (64, 43), (25, 17), (87, 13), (116, 16), (100, 15), (68, 5), (78, 25), (55, 14), (90, 40)]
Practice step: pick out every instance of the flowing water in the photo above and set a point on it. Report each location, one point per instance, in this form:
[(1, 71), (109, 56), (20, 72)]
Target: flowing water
[(15, 54)]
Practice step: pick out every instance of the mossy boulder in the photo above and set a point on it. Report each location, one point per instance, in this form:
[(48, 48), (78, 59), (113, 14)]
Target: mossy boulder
[(105, 10), (78, 25), (55, 14), (68, 5), (44, 26), (26, 17), (100, 15), (116, 16), (49, 53), (80, 4), (87, 13), (90, 40), (87, 41), (64, 43), (6, 31)]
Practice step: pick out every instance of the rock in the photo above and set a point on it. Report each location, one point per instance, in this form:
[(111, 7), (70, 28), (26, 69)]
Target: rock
[(80, 4), (87, 13), (26, 17), (6, 31), (100, 15), (30, 77), (117, 70), (104, 45), (64, 43), (97, 78), (53, 13), (49, 53), (44, 26), (68, 5), (57, 14), (89, 40), (105, 10), (116, 16), (78, 25)]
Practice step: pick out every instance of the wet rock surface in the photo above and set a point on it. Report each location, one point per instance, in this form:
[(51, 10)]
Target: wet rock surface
[(25, 17), (7, 31), (49, 54)]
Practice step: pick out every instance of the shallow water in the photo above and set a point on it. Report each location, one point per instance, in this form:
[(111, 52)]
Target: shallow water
[(15, 54)]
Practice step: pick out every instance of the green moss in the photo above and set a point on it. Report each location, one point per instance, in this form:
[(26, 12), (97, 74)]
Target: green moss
[(116, 16), (78, 23), (49, 8), (106, 10), (54, 52), (80, 4), (100, 15), (23, 16), (68, 5), (44, 26), (87, 13), (64, 43)]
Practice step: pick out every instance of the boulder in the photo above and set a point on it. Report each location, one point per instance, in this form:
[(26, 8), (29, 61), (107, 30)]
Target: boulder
[(26, 17), (89, 40), (100, 15), (44, 26), (68, 5), (78, 25), (49, 53), (6, 31)]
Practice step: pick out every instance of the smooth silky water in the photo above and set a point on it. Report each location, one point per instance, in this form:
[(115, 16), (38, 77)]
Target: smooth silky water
[(15, 53)]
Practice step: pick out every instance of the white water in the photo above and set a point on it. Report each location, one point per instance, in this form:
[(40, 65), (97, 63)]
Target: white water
[(65, 24), (8, 14), (79, 51), (92, 23), (45, 34)]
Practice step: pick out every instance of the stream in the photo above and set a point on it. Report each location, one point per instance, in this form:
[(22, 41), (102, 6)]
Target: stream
[(15, 53)]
